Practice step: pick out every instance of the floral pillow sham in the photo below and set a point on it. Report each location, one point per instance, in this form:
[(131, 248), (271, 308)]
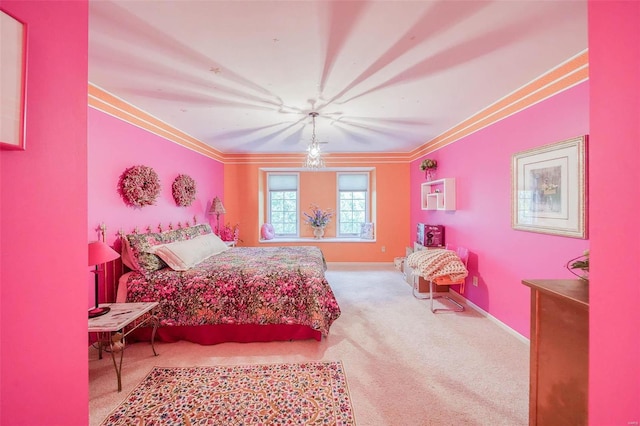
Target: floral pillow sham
[(139, 256)]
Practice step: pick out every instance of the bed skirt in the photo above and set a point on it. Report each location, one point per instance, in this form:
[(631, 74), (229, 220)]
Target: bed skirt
[(221, 333)]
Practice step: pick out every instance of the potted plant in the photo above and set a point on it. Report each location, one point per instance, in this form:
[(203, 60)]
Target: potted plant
[(429, 166), (318, 220), (230, 233), (580, 263)]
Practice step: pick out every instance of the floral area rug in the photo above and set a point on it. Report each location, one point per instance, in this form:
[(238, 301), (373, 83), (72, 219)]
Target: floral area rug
[(312, 393)]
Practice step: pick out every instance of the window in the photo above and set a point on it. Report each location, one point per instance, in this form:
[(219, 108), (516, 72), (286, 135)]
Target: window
[(286, 192), (353, 203), (283, 203)]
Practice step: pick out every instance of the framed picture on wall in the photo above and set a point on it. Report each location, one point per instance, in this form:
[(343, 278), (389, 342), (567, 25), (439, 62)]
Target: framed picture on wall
[(366, 231), (13, 57), (549, 189)]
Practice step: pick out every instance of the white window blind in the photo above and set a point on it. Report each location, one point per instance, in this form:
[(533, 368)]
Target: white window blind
[(353, 182), (283, 182)]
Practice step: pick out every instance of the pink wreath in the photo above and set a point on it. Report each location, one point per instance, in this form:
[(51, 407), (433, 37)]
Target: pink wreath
[(184, 190), (139, 186)]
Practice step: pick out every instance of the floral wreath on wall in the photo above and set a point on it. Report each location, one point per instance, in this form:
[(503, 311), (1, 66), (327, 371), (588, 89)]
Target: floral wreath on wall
[(184, 190), (139, 186)]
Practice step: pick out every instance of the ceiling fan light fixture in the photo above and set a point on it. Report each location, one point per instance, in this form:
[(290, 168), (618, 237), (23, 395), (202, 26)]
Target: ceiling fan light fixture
[(314, 155)]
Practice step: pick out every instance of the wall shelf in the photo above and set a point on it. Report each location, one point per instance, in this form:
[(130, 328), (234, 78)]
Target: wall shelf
[(439, 194)]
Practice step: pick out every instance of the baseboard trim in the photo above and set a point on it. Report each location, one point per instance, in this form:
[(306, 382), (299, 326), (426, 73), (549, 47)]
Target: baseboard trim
[(487, 315)]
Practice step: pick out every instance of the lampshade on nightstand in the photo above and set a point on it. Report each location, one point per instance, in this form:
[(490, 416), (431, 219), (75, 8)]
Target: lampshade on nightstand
[(99, 253), (217, 209)]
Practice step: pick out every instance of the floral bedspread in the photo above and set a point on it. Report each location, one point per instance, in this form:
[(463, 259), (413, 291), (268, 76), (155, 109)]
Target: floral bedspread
[(243, 285)]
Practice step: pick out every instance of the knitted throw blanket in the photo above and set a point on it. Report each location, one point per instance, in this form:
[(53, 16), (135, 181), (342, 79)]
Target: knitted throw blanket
[(432, 264)]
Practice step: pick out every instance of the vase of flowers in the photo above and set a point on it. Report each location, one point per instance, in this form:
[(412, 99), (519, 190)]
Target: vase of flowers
[(230, 233), (318, 219), (318, 232), (429, 166)]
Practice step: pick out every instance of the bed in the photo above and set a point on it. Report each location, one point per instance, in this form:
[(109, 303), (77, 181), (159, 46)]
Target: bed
[(210, 293)]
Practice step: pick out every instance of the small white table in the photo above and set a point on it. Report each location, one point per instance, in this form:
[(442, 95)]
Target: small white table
[(110, 328)]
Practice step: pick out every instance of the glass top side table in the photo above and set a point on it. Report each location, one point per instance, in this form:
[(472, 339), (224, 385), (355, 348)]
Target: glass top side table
[(112, 328)]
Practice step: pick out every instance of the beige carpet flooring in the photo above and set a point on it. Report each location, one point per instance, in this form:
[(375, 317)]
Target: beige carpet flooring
[(404, 364)]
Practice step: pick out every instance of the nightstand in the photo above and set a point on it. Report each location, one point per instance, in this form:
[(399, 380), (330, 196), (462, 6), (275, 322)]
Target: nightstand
[(112, 328)]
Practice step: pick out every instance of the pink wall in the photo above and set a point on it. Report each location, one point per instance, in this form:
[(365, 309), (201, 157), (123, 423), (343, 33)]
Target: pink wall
[(614, 355), (481, 164), (113, 147), (43, 216)]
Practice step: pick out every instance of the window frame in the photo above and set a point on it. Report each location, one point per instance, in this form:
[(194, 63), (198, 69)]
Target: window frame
[(297, 212), (367, 207)]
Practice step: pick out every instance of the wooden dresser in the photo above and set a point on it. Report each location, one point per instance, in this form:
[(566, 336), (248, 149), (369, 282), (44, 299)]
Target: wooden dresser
[(559, 363)]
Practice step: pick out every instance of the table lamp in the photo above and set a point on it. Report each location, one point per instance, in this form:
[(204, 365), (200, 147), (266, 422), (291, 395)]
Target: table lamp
[(99, 253), (217, 209)]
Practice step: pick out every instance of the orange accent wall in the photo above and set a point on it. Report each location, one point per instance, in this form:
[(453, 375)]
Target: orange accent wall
[(323, 195), (242, 193)]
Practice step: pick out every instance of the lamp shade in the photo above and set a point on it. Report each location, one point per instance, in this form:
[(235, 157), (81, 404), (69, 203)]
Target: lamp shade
[(100, 252), (217, 207)]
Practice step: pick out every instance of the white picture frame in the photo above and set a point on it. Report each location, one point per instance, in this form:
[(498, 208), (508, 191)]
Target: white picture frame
[(549, 189), (366, 231), (13, 82)]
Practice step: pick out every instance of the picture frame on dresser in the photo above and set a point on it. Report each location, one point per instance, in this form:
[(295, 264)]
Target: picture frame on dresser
[(13, 82), (549, 189)]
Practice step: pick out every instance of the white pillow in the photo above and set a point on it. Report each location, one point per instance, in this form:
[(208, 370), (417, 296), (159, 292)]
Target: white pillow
[(183, 255)]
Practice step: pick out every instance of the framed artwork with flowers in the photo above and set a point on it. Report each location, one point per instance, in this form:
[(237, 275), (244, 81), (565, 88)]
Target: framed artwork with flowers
[(549, 187), (13, 82)]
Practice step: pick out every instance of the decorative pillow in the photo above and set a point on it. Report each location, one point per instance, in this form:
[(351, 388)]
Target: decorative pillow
[(126, 257), (135, 254), (183, 255), (138, 246), (267, 231)]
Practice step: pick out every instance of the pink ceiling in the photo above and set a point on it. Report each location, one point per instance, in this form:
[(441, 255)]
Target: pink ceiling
[(384, 76)]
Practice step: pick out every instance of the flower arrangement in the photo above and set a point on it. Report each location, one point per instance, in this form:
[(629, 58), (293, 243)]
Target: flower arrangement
[(318, 218), (229, 233), (139, 186), (581, 263), (184, 190), (428, 163)]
